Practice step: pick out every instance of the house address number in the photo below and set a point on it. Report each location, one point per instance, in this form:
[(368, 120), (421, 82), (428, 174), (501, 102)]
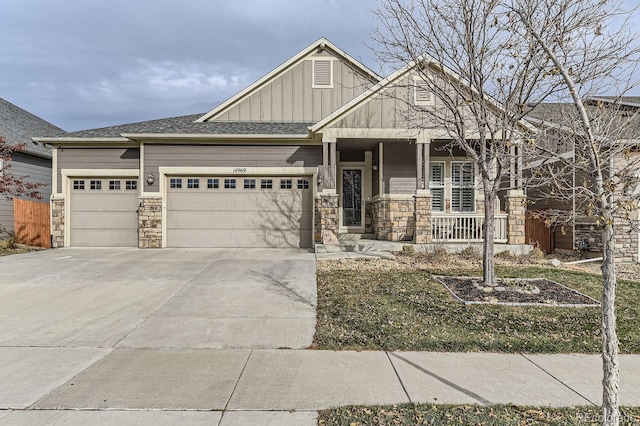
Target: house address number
[(240, 170)]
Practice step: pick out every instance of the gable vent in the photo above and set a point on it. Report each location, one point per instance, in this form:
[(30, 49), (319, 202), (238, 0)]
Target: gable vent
[(322, 73), (422, 93)]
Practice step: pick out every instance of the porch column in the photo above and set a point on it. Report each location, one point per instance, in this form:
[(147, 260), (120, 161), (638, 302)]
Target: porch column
[(329, 162), (422, 234), (326, 203), (516, 210)]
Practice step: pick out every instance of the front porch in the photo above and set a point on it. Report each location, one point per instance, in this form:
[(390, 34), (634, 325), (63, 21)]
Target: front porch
[(407, 190)]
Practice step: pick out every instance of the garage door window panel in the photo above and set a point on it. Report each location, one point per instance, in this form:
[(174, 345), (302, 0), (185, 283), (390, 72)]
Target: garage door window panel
[(78, 184), (229, 183), (266, 183), (193, 183), (249, 184), (114, 185), (285, 183), (96, 185), (132, 185), (213, 184), (175, 183)]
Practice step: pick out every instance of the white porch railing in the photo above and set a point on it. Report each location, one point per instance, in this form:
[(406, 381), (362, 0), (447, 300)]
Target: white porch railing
[(465, 228)]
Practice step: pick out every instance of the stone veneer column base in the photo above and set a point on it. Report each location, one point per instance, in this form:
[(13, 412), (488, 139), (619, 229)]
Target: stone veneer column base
[(516, 204), (326, 218), (393, 220), (626, 240), (423, 233), (150, 223), (57, 222)]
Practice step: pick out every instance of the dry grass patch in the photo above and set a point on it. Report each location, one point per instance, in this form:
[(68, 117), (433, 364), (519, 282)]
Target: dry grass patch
[(431, 414), (394, 304)]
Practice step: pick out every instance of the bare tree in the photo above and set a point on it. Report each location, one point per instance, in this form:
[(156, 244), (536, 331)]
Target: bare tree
[(486, 73), (601, 174), (11, 185), (488, 64)]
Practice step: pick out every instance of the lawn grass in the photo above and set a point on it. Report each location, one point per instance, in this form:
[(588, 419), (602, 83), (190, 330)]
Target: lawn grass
[(406, 310), (430, 414)]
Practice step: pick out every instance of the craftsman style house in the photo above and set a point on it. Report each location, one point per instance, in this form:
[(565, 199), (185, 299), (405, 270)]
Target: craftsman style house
[(314, 149)]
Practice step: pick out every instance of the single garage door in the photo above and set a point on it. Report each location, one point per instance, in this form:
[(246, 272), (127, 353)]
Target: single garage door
[(218, 211), (104, 212)]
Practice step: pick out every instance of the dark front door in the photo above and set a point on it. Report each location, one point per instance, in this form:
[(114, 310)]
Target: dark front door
[(352, 197)]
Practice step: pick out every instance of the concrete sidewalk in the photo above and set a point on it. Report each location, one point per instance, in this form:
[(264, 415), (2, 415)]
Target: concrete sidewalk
[(209, 386)]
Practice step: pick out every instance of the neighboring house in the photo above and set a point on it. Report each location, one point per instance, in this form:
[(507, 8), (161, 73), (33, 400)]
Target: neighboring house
[(577, 230), (315, 148), (18, 126)]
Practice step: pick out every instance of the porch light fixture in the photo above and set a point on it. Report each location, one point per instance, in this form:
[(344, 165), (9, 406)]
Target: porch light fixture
[(151, 179), (319, 180), (374, 167)]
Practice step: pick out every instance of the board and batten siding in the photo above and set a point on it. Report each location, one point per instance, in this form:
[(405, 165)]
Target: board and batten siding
[(227, 156), (399, 168), (96, 158), (290, 97), (37, 169)]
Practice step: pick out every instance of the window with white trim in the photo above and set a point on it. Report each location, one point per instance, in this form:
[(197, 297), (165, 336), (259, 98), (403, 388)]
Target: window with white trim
[(422, 93), (193, 183), (303, 184), (213, 184), (249, 184), (96, 184), (463, 191), (78, 184), (114, 185), (322, 73), (131, 185), (175, 183), (229, 183), (436, 185), (266, 183)]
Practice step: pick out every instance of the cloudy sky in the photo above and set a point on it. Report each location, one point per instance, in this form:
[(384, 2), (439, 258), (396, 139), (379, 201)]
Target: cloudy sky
[(86, 63)]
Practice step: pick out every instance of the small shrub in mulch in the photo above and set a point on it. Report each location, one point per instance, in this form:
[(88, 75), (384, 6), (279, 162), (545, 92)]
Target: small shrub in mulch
[(515, 291)]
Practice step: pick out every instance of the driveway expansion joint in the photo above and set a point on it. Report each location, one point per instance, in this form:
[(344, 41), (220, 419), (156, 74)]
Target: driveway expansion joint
[(177, 292)]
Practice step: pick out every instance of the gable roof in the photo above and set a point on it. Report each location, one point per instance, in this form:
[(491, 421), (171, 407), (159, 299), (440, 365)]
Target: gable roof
[(320, 44), (367, 95), (18, 126)]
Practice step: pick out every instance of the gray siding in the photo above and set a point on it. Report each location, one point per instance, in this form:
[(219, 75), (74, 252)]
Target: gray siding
[(399, 168), (290, 96), (375, 174), (37, 170), (386, 110), (96, 158), (228, 156)]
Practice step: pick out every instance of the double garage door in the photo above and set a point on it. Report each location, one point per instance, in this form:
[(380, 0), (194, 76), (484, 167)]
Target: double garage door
[(251, 211), (104, 212)]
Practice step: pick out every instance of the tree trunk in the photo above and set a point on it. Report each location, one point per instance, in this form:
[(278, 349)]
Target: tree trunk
[(488, 261), (610, 362)]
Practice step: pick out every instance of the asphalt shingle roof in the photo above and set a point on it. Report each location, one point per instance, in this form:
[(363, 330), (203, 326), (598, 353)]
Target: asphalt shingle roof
[(19, 126), (558, 112), (186, 125)]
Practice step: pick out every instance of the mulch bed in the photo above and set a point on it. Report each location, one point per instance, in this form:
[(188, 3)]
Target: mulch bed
[(515, 291)]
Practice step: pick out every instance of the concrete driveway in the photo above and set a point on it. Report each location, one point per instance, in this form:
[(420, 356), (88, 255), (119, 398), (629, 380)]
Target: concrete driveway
[(170, 298)]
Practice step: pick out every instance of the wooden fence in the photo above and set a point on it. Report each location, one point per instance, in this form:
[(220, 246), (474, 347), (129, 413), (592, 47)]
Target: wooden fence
[(32, 223), (538, 233)]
